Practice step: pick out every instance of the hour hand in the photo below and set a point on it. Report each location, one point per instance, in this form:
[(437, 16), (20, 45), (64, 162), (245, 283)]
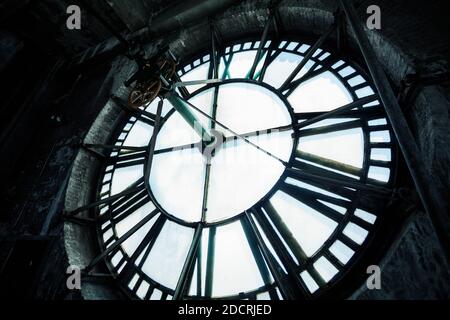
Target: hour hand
[(184, 110)]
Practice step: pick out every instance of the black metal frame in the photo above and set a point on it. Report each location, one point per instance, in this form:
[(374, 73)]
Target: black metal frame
[(432, 199), (289, 284)]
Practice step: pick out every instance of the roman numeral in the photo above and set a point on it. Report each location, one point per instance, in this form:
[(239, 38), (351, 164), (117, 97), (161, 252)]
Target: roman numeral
[(183, 91), (115, 246), (188, 268), (329, 163), (210, 261), (128, 193), (258, 256), (146, 244), (347, 125), (367, 113), (289, 284), (313, 72), (272, 53), (370, 195), (259, 53), (126, 205), (308, 55), (227, 63), (128, 158), (126, 155), (213, 72), (319, 177), (311, 199), (344, 111)]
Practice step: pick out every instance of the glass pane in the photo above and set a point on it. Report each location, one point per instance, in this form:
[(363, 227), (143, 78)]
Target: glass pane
[(139, 135), (380, 154), (239, 177), (379, 173), (198, 73), (249, 107), (309, 227), (309, 281), (380, 136), (167, 257), (133, 241), (124, 177), (365, 216), (242, 63), (322, 93), (241, 174), (355, 232), (280, 69), (346, 146), (341, 251), (326, 270), (177, 180), (176, 131), (235, 269)]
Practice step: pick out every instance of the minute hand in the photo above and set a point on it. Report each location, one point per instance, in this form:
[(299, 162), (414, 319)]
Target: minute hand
[(188, 104)]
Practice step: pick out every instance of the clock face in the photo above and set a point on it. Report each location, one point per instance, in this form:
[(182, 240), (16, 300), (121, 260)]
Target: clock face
[(282, 206)]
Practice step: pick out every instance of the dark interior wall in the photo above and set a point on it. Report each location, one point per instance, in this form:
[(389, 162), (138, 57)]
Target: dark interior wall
[(47, 109), (43, 145)]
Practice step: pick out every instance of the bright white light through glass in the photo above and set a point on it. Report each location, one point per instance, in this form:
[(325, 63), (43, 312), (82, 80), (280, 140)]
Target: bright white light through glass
[(241, 177), (322, 93), (240, 174)]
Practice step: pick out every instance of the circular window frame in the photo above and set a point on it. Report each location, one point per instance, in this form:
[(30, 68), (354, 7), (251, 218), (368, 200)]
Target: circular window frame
[(394, 161)]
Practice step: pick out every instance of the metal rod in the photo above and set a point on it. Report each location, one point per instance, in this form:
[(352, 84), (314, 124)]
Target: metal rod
[(210, 262), (151, 148), (214, 63), (431, 198)]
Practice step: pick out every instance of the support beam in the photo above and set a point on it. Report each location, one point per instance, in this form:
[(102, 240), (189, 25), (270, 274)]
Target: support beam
[(431, 198)]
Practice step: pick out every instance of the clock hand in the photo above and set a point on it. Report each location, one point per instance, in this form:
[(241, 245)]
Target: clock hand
[(260, 132), (181, 106), (311, 120), (225, 139), (233, 132)]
